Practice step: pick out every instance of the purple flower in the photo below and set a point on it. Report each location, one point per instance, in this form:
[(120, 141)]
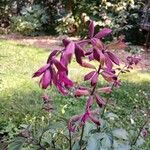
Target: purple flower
[(109, 76), (144, 133), (99, 101), (41, 70), (105, 90), (89, 75), (88, 115), (132, 60), (46, 79), (72, 123), (81, 92), (94, 79)]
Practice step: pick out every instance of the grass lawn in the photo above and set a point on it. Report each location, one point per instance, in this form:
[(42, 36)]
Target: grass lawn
[(20, 95)]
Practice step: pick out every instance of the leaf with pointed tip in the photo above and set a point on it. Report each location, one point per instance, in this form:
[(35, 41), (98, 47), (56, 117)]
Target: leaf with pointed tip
[(17, 144), (63, 78), (120, 134)]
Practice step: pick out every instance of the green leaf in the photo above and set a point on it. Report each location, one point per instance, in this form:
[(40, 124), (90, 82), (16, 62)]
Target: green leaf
[(17, 144), (100, 141), (121, 146), (76, 146), (88, 128), (120, 134), (93, 142), (106, 141), (140, 141)]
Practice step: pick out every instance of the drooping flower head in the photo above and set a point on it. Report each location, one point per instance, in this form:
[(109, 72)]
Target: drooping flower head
[(55, 71)]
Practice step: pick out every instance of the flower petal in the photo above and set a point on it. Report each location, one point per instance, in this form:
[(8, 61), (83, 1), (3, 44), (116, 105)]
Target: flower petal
[(91, 29), (105, 90), (89, 75), (87, 65), (99, 101), (113, 58), (79, 53), (52, 55), (41, 71), (94, 79), (80, 92), (59, 65), (108, 62), (96, 121), (103, 33), (66, 42), (64, 79), (89, 103), (69, 51), (46, 79)]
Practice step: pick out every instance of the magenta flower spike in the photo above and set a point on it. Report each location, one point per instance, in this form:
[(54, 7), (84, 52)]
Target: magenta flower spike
[(56, 72)]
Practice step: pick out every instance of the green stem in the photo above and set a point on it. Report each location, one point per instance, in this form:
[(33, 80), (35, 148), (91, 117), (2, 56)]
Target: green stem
[(112, 87), (82, 132), (70, 141), (140, 130), (92, 93)]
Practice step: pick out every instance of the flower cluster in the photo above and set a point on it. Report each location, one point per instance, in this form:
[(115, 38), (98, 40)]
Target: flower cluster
[(55, 71)]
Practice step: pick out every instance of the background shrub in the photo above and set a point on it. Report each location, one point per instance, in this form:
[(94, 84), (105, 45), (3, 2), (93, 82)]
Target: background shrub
[(122, 16), (72, 17), (30, 20)]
